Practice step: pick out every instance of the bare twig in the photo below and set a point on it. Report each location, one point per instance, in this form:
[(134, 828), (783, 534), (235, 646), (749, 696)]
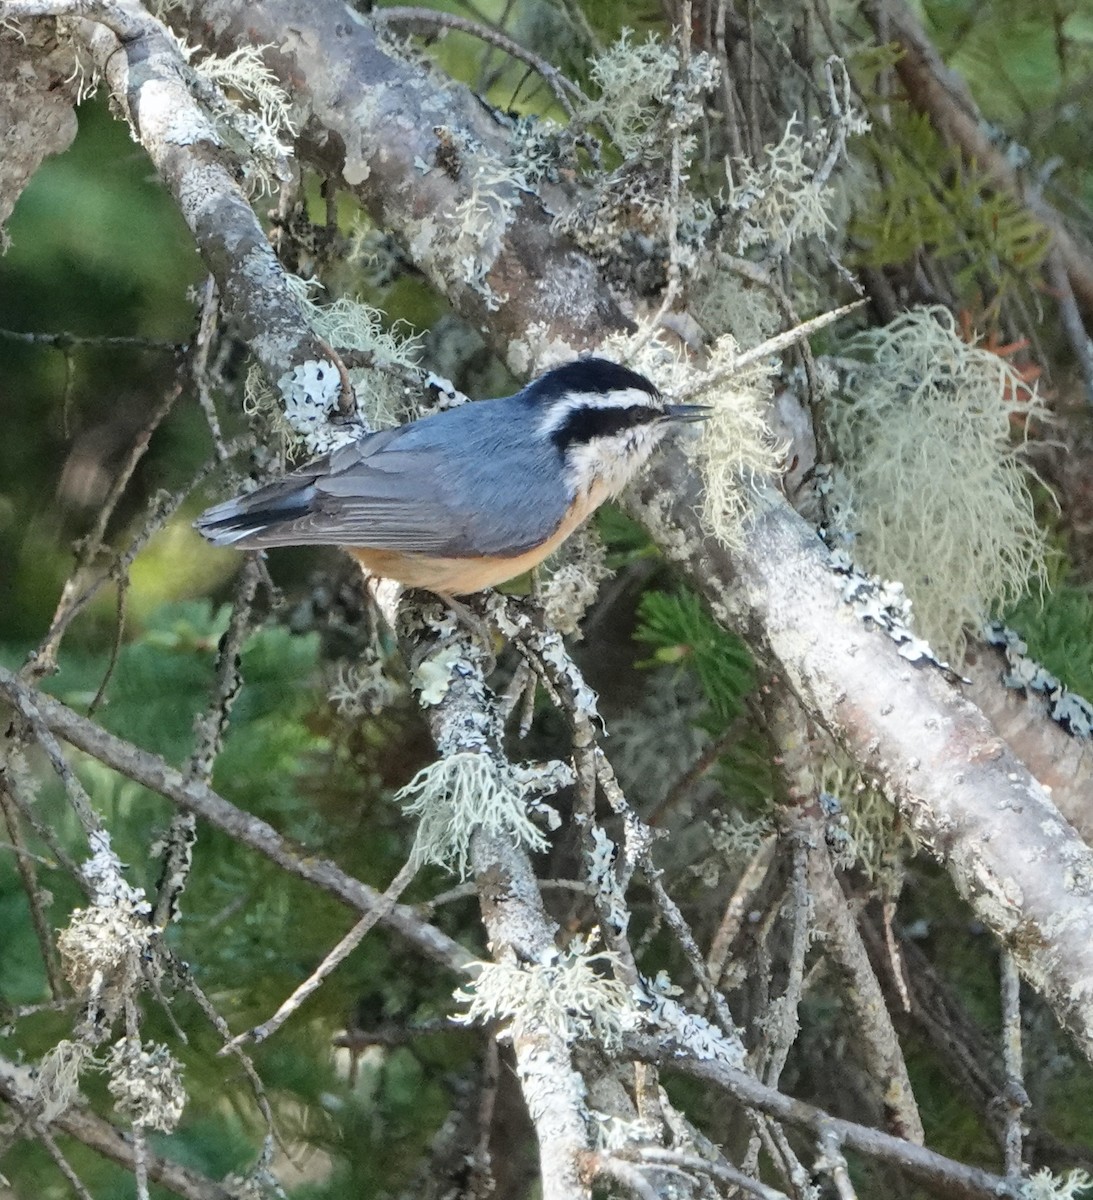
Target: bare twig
[(696, 771), (832, 1161), (78, 592), (722, 1171), (769, 348), (876, 1036), (72, 599), (204, 340), (736, 909), (63, 1165), (330, 963), (565, 90), (1071, 319), (66, 341), (1015, 1100), (25, 865)]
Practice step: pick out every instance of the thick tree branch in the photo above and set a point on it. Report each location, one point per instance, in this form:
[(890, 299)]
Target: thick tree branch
[(156, 88), (1012, 856), (465, 720), (39, 85), (432, 164)]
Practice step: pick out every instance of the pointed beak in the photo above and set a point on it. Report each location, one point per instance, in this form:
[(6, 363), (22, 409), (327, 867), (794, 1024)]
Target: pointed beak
[(687, 412)]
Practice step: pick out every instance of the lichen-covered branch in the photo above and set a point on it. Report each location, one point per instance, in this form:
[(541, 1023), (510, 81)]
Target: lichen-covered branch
[(463, 718), (432, 164), (18, 1091), (198, 798), (158, 92), (1026, 872)]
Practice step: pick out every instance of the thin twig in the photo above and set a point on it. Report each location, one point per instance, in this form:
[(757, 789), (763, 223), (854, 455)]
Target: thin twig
[(78, 594), (203, 343), (1015, 1099), (183, 973), (722, 1171), (71, 601), (781, 1031), (565, 90), (63, 860), (1071, 319), (63, 1165), (696, 771), (332, 960), (66, 341), (25, 864), (736, 909), (832, 1161), (956, 1179), (482, 1181), (766, 349)]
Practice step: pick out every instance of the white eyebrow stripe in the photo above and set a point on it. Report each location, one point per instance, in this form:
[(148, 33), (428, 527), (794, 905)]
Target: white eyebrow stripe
[(559, 410)]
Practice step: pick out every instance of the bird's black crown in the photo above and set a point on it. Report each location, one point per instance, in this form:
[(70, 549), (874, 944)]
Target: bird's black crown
[(597, 376)]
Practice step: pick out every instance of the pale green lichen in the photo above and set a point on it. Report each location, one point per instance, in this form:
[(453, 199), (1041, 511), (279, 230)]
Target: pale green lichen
[(364, 688), (572, 581), (296, 416), (103, 949), (462, 793), (57, 1079), (572, 993), (730, 842), (146, 1083), (931, 483), (351, 326), (250, 109), (777, 201), (735, 447), (877, 838), (724, 303), (1043, 1185), (434, 674), (644, 87)]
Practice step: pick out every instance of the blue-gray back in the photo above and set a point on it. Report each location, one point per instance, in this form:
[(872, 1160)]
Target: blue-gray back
[(468, 481)]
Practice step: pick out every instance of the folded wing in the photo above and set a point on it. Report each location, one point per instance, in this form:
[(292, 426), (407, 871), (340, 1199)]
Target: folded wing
[(402, 490)]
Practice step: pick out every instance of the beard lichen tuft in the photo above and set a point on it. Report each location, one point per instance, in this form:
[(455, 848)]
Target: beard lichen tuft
[(931, 485)]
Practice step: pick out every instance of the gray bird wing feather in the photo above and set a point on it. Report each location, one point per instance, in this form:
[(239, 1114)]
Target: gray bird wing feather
[(452, 485)]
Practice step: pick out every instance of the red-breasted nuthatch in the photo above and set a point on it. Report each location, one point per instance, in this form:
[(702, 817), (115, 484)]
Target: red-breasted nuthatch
[(472, 496)]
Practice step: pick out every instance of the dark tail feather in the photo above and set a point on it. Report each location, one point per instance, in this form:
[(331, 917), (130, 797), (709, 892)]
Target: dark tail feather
[(236, 521)]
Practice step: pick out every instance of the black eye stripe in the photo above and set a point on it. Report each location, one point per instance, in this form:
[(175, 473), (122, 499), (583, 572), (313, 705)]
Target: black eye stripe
[(583, 424)]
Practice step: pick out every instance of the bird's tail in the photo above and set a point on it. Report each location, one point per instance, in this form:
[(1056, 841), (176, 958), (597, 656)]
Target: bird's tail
[(252, 520)]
